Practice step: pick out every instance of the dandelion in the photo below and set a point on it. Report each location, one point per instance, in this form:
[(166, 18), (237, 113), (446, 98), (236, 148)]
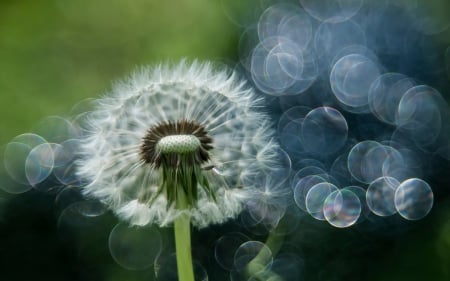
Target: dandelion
[(176, 144)]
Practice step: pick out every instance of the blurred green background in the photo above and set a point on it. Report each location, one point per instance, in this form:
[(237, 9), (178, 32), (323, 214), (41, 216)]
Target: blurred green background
[(55, 53)]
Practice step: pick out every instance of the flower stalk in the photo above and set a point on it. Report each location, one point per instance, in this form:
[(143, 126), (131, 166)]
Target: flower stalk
[(182, 228), (256, 267), (181, 175)]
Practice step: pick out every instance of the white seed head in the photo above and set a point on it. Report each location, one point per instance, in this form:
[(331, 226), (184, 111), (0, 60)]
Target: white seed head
[(132, 127)]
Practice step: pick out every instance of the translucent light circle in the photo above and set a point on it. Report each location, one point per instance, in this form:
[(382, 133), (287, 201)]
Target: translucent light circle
[(316, 197), (342, 208), (302, 187), (296, 27), (380, 196), (39, 163), (359, 78), (134, 248), (9, 185), (81, 107), (397, 166), (374, 160), (253, 256), (413, 199), (278, 81), (339, 170), (410, 105), (90, 208), (29, 139), (306, 78), (270, 20), (332, 10), (226, 247), (309, 171), (15, 155), (255, 226), (285, 59), (363, 168), (295, 113), (276, 65), (385, 94), (67, 196), (324, 131), (419, 114), (355, 50), (64, 163), (277, 172), (351, 78), (56, 129), (73, 217), (262, 211), (12, 171), (331, 38), (361, 194), (290, 138)]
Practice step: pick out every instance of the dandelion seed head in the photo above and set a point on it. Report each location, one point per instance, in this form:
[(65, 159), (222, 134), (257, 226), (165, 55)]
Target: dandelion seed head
[(167, 141), (167, 121)]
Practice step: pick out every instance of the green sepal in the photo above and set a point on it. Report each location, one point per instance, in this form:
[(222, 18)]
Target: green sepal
[(186, 175)]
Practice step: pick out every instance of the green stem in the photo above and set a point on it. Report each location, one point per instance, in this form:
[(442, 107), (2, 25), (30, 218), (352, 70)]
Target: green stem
[(182, 228), (254, 268), (274, 242)]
